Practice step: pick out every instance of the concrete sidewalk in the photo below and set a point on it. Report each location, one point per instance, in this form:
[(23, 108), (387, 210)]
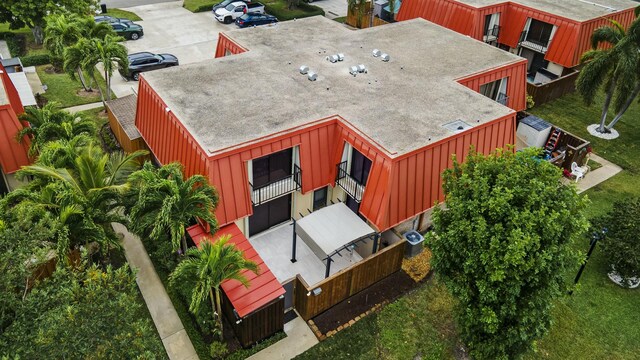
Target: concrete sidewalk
[(174, 337), (299, 339), (75, 109), (595, 177)]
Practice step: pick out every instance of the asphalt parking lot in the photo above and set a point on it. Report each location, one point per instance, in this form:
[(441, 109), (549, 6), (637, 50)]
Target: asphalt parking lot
[(169, 28)]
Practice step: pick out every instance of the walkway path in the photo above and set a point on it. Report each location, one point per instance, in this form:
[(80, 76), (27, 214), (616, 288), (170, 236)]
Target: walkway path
[(4, 50), (299, 339), (174, 337), (75, 109), (595, 177)]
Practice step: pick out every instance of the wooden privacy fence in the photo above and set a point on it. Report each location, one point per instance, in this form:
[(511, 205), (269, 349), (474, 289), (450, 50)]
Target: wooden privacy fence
[(553, 89), (347, 282), (46, 269), (365, 21)]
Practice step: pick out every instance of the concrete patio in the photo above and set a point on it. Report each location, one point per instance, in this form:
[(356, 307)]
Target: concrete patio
[(274, 246)]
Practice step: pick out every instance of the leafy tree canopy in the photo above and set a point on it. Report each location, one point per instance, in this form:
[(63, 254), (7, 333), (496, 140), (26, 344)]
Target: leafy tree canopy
[(81, 314), (503, 247), (31, 13)]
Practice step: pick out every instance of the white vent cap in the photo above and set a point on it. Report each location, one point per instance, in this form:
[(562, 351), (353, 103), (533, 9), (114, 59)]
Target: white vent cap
[(312, 76), (333, 58), (384, 57), (304, 69), (340, 56), (376, 52), (362, 68), (353, 70)]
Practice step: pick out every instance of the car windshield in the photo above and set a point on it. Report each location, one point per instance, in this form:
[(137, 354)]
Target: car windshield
[(245, 17), (159, 57), (225, 3), (230, 7)]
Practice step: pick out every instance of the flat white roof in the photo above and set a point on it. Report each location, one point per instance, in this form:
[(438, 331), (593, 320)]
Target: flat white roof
[(330, 228), (19, 80)]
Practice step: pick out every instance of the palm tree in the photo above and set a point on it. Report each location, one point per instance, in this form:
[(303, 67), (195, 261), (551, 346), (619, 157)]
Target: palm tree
[(50, 124), (94, 184), (163, 202), (88, 53), (61, 31), (613, 67), (205, 269), (63, 153)]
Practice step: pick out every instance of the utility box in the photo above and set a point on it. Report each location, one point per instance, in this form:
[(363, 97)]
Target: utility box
[(103, 8), (414, 243)]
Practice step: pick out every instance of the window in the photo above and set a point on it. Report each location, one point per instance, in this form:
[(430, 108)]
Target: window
[(319, 198), (539, 32), (272, 168), (360, 167)]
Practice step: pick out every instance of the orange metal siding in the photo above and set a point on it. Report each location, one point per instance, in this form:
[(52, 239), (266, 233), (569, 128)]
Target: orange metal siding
[(416, 178), (516, 85), (624, 17), (450, 14), (165, 135), (224, 44), (13, 155)]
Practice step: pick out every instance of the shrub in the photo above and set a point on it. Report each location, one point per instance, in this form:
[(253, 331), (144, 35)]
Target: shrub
[(218, 350), (279, 10), (35, 60), (17, 43), (620, 242)]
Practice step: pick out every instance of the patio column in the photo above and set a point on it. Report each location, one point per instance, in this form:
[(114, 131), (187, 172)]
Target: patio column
[(376, 237), (326, 273), (293, 250)]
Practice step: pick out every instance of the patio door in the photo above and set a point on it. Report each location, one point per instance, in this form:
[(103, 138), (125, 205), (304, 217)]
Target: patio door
[(270, 214)]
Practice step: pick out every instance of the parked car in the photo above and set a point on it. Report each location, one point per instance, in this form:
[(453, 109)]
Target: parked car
[(146, 61), (128, 31), (111, 19), (255, 19), (224, 4), (237, 9)]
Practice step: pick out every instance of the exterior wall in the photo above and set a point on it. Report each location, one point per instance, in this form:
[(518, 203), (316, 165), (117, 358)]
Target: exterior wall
[(516, 85), (570, 40), (13, 155), (258, 325), (127, 144), (416, 178), (165, 136), (227, 46), (302, 204)]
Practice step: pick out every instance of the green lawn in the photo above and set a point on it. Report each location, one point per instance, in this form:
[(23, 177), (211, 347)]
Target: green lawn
[(67, 92), (123, 14), (599, 321), (199, 5)]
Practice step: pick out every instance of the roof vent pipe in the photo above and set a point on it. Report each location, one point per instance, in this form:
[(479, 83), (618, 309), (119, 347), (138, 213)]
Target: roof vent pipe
[(312, 76), (340, 57), (362, 68), (384, 57), (376, 52), (333, 58), (353, 70), (304, 69)]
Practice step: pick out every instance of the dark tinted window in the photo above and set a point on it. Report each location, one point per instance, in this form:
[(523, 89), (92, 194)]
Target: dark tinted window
[(319, 198), (360, 167), (272, 168)]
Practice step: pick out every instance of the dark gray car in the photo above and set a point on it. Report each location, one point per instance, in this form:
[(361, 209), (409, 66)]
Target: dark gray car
[(146, 61)]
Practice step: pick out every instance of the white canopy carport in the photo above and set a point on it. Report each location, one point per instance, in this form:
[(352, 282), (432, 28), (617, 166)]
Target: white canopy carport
[(330, 230)]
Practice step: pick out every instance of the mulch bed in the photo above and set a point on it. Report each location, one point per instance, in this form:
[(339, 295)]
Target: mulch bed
[(387, 290)]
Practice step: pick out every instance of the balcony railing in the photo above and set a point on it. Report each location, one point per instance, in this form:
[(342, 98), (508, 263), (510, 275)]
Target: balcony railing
[(492, 34), (540, 45), (350, 185), (275, 189), (503, 99)]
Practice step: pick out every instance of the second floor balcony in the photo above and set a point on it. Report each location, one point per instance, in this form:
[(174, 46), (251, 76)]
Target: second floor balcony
[(536, 43), (349, 184), (491, 34), (274, 189)]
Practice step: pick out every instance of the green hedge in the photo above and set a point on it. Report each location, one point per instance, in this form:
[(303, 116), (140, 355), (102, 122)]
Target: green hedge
[(35, 60), (17, 43), (200, 5), (279, 10)]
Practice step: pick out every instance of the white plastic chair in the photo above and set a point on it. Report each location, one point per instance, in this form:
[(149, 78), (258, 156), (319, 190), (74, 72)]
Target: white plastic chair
[(578, 171)]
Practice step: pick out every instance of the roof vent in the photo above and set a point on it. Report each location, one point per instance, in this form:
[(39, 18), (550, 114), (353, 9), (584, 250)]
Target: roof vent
[(353, 70), (384, 57), (340, 56), (362, 68), (376, 52), (457, 126), (304, 69), (312, 76), (333, 58)]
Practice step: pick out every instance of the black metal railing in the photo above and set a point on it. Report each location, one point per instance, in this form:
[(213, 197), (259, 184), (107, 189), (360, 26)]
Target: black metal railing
[(492, 33), (538, 44), (503, 99), (274, 189), (350, 185)]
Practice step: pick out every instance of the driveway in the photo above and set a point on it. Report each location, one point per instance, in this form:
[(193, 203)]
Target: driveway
[(129, 3), (169, 28), (332, 8)]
